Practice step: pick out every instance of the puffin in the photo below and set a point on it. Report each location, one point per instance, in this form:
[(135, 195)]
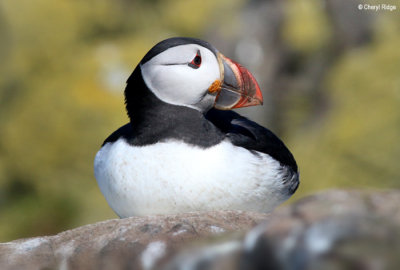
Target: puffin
[(184, 149)]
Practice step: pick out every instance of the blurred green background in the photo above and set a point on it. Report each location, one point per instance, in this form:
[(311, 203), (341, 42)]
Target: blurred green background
[(330, 75)]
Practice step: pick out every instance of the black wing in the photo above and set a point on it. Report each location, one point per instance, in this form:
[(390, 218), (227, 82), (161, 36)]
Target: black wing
[(124, 131), (248, 134)]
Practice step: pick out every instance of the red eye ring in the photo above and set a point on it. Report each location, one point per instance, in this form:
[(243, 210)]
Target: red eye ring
[(196, 62)]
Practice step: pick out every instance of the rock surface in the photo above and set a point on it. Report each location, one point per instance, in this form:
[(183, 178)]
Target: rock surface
[(331, 230), (131, 243)]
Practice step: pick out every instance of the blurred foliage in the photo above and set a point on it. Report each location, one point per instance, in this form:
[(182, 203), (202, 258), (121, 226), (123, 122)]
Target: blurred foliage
[(64, 66), (354, 144), (307, 28)]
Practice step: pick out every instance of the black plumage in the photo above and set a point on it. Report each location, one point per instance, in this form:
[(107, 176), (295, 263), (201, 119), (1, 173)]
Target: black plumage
[(152, 120), (172, 42), (250, 135)]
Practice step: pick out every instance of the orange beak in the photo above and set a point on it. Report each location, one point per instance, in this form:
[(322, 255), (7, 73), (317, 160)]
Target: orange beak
[(238, 89)]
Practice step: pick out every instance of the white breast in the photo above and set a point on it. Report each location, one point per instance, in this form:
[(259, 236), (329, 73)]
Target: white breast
[(173, 177)]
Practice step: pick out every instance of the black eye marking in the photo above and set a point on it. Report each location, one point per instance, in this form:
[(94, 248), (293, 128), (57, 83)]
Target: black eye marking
[(196, 62)]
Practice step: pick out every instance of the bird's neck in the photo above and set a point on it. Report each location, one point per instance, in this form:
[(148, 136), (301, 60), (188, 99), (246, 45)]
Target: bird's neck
[(153, 120)]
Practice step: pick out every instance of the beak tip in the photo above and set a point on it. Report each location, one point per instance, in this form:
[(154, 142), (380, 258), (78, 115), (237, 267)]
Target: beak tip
[(258, 94)]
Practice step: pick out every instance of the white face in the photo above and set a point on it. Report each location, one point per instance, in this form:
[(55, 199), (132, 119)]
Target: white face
[(171, 77)]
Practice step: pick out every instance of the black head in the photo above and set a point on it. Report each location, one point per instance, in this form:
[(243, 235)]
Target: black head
[(190, 72)]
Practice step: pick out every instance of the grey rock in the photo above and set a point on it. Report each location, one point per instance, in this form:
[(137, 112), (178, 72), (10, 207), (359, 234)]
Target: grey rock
[(131, 243), (336, 229), (331, 230)]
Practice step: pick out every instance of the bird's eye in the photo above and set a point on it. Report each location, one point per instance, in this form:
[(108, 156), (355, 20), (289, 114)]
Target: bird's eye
[(196, 62)]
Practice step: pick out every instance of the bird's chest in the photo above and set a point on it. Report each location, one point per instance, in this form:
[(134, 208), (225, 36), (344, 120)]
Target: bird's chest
[(176, 177), (161, 166)]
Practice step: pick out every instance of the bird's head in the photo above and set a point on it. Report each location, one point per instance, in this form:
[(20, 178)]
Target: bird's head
[(191, 72)]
